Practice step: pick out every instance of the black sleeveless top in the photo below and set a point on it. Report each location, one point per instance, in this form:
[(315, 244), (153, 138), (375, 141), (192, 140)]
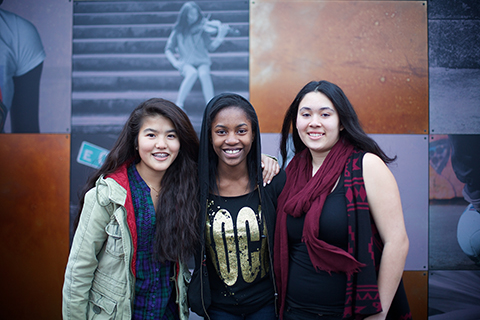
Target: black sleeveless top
[(308, 289)]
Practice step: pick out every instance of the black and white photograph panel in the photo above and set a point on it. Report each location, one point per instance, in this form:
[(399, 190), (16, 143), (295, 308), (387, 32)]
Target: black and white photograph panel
[(454, 295), (454, 66), (35, 66), (125, 52), (454, 220)]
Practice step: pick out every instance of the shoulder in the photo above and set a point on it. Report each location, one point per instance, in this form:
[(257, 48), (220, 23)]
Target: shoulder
[(15, 27), (15, 21), (173, 35), (111, 190), (10, 17), (280, 178), (372, 160), (375, 171), (278, 182), (96, 208)]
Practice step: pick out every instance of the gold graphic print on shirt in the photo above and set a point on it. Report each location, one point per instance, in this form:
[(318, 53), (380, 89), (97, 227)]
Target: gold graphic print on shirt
[(251, 246)]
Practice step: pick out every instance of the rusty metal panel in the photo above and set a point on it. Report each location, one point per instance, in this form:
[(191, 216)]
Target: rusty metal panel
[(34, 197), (416, 284), (376, 51)]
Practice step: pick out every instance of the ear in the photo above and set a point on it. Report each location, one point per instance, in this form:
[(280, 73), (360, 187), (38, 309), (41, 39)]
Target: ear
[(135, 143)]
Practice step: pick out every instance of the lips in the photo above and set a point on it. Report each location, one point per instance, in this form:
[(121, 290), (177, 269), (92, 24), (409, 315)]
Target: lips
[(161, 155)]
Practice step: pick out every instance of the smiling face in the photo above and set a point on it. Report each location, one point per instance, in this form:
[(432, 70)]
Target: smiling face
[(158, 146), (232, 136), (318, 123)]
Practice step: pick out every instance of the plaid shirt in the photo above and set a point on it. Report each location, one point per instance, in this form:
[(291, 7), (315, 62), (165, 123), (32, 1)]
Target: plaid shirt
[(153, 292)]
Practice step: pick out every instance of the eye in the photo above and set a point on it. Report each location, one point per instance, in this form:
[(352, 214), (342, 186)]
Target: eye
[(150, 135), (325, 115), (220, 132), (171, 136), (242, 131)]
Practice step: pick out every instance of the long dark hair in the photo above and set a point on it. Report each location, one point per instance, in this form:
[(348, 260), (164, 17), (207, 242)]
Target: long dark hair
[(181, 25), (176, 233), (237, 101), (353, 131)]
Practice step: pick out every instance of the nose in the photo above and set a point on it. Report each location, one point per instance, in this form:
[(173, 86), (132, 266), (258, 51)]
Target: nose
[(231, 138), (161, 144), (315, 121)]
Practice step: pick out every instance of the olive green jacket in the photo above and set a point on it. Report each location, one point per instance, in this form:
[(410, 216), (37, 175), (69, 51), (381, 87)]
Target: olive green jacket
[(99, 279)]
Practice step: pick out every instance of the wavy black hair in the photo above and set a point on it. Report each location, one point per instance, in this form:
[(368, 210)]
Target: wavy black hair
[(353, 131), (176, 233)]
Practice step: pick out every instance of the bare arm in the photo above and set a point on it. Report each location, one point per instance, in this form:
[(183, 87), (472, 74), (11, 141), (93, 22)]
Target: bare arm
[(222, 32), (169, 51), (171, 57), (386, 208)]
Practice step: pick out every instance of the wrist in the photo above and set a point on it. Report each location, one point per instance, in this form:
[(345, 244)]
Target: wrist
[(271, 157)]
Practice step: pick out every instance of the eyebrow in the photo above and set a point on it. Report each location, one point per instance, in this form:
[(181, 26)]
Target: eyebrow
[(222, 126), (322, 108), (156, 131)]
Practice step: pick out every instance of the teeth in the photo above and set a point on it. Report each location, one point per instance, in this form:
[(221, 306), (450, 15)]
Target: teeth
[(161, 155), (315, 134), (232, 151)]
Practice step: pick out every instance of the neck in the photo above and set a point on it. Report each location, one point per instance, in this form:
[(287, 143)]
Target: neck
[(233, 181), (317, 161), (152, 178)]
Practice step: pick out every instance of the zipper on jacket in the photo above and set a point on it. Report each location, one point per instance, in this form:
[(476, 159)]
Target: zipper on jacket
[(275, 292), (204, 261)]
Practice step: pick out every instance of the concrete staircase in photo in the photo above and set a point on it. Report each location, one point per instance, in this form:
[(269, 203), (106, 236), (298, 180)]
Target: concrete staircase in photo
[(119, 60)]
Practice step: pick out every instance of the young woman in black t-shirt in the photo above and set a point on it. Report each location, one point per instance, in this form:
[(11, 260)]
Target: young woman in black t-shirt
[(233, 278)]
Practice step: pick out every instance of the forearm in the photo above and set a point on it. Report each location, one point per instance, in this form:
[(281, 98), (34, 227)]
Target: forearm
[(75, 297), (89, 238), (25, 103), (171, 57), (222, 32), (391, 270), (78, 280)]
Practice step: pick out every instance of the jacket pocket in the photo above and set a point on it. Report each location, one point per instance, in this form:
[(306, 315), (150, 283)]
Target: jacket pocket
[(100, 307), (114, 245)]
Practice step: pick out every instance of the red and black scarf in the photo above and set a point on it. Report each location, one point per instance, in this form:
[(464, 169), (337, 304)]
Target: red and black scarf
[(304, 194)]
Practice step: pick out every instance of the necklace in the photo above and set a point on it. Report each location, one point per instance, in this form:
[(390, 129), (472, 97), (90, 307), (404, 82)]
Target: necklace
[(157, 191)]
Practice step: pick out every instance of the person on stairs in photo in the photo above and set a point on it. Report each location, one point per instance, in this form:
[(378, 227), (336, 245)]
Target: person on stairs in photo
[(188, 48)]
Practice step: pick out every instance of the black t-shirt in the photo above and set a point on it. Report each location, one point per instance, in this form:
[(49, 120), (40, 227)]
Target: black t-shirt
[(237, 254), (318, 291)]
